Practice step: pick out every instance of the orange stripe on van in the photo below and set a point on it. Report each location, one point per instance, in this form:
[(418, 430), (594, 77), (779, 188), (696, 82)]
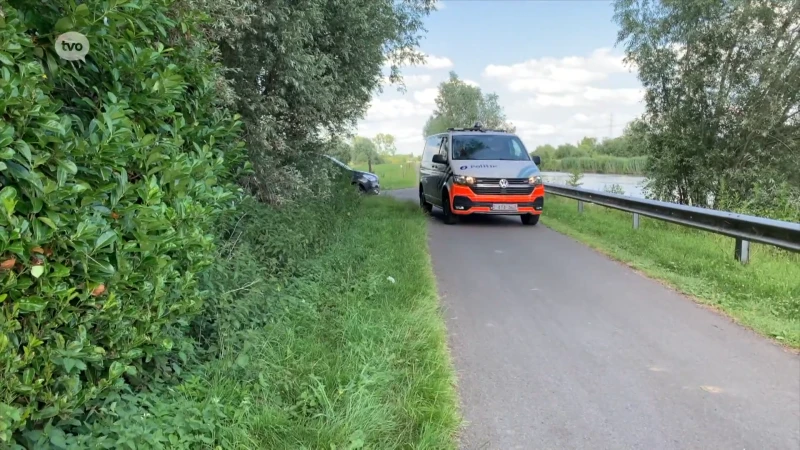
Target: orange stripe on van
[(465, 191)]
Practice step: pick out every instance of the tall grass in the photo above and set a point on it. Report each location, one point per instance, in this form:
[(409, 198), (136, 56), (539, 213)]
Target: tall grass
[(349, 353), (395, 175), (598, 164), (763, 295), (322, 331)]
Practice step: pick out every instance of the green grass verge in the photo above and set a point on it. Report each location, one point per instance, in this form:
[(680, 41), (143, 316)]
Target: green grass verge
[(394, 176), (321, 330), (763, 295), (349, 359)]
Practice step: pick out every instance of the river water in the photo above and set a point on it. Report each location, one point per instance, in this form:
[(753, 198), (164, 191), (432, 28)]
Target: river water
[(632, 185)]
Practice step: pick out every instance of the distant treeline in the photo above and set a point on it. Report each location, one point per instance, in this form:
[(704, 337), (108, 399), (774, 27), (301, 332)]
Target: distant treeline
[(597, 164), (622, 155)]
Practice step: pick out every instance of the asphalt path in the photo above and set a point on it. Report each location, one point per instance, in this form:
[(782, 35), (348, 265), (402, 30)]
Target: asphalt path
[(558, 347)]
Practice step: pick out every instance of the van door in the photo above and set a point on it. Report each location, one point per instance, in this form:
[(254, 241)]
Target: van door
[(427, 171), (442, 170)]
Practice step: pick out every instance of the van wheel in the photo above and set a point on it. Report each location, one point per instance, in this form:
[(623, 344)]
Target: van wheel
[(449, 217), (529, 219), (426, 207)]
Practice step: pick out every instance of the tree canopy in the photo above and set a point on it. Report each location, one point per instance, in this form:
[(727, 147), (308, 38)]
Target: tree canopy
[(459, 104), (722, 100)]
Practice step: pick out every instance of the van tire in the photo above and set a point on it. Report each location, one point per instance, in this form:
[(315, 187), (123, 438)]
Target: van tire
[(426, 207), (449, 217), (529, 219)]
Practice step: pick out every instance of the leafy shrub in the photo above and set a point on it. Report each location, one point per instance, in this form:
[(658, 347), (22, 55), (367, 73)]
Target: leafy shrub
[(575, 178), (614, 189), (111, 174), (277, 241)]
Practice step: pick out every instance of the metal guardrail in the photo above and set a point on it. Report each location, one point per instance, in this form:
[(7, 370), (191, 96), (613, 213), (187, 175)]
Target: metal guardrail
[(743, 228)]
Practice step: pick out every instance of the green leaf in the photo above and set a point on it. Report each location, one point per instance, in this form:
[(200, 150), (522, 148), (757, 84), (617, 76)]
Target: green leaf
[(105, 239), (32, 304), (116, 370), (57, 437), (25, 150), (68, 165), (71, 363), (82, 10), (242, 360), (8, 196), (37, 271), (64, 24), (6, 59), (48, 222), (46, 413)]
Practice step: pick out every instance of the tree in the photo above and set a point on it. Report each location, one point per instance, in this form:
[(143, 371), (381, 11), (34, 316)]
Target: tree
[(302, 67), (385, 144), (364, 150), (459, 104), (341, 150), (721, 89)]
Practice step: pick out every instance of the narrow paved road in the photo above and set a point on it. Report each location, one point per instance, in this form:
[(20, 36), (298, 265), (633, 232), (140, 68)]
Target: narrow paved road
[(558, 347)]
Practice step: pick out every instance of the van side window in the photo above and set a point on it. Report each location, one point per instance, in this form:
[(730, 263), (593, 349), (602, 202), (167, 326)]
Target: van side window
[(444, 150), (431, 148)]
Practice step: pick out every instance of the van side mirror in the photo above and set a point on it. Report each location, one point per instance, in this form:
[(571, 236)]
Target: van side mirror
[(537, 160), (439, 159)]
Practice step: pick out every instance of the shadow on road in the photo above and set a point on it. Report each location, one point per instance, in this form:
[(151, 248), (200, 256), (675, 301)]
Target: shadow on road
[(481, 220)]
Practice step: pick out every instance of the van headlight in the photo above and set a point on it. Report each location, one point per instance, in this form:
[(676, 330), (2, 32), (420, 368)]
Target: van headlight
[(463, 179), (535, 180)]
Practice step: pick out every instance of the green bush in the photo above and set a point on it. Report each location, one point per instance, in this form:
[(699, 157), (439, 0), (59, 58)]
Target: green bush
[(111, 173)]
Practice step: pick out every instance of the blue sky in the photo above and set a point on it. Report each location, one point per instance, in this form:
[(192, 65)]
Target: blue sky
[(553, 64)]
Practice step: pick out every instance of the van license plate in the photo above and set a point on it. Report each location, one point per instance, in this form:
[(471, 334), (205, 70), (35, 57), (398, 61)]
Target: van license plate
[(504, 207)]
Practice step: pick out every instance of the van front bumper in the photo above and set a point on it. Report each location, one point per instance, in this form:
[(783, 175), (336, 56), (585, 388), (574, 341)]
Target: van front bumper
[(465, 202)]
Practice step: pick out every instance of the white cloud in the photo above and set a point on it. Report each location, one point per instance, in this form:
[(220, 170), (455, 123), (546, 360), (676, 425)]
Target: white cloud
[(408, 135), (550, 100), (527, 129), (587, 96), (439, 5), (395, 109), (426, 96), (410, 81), (416, 80), (558, 75), (437, 62), (432, 62)]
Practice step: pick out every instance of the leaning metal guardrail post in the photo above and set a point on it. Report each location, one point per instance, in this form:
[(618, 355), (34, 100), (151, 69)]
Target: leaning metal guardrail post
[(742, 251), (745, 229)]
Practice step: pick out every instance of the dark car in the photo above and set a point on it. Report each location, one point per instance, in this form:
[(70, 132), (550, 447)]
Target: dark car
[(367, 183)]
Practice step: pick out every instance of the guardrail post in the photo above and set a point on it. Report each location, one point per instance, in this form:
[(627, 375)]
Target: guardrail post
[(580, 206), (635, 221), (742, 251)]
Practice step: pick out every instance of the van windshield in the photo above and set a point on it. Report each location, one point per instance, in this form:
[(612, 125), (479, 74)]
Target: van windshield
[(483, 147)]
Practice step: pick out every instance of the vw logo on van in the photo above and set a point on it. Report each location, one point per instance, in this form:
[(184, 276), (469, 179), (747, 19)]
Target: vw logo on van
[(503, 183)]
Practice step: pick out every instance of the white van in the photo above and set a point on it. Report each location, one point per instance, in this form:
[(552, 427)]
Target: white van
[(478, 171)]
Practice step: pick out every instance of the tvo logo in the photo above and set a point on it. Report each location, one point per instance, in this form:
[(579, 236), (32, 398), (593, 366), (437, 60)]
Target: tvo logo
[(72, 46)]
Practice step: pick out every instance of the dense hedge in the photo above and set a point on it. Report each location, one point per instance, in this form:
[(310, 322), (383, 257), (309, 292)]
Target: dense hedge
[(111, 172)]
